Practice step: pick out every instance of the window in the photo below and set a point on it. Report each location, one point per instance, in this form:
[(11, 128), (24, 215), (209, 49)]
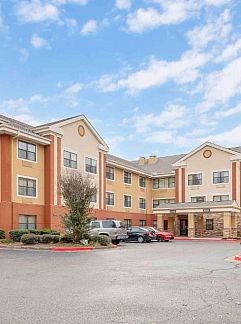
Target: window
[(220, 177), (142, 203), (26, 151), (127, 201), (142, 182), (108, 224), (127, 177), (165, 225), (110, 173), (221, 198), (95, 224), (164, 183), (157, 202), (110, 199), (27, 222), (90, 165), (127, 223), (154, 224), (70, 160), (198, 199), (209, 224), (26, 187), (142, 222), (195, 179), (93, 198)]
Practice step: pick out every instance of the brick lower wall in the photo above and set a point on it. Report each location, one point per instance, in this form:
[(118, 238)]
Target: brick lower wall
[(218, 221)]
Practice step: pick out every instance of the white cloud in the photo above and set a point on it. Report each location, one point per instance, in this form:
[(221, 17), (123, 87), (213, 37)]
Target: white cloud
[(217, 2), (230, 137), (38, 41), (64, 2), (123, 4), (24, 54), (224, 113), (173, 12), (172, 117), (220, 86), (89, 27), (35, 11), (74, 88), (158, 73), (216, 29), (229, 52), (168, 137)]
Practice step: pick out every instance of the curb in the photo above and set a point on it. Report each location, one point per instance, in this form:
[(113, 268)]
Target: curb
[(63, 249), (237, 258), (57, 248), (207, 239)]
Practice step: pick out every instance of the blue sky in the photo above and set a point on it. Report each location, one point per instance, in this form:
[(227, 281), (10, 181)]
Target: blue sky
[(153, 76)]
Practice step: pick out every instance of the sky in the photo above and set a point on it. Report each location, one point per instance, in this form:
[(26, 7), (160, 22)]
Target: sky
[(153, 76)]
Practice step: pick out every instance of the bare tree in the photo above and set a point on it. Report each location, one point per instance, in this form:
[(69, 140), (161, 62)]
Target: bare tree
[(77, 191)]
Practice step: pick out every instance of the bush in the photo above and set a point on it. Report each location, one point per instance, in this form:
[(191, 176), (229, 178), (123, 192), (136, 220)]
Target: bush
[(103, 240), (48, 238), (2, 234), (44, 231), (16, 235), (29, 239), (67, 238)]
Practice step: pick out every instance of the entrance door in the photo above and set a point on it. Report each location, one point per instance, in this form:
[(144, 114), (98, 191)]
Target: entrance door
[(183, 227)]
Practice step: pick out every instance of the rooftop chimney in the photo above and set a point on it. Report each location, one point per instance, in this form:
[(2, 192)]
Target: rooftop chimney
[(152, 159), (142, 160)]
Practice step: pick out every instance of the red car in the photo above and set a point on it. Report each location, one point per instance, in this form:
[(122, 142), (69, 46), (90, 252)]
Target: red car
[(161, 235)]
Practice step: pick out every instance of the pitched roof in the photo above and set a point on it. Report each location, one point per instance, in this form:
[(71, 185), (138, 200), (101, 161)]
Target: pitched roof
[(124, 163), (15, 123), (58, 121)]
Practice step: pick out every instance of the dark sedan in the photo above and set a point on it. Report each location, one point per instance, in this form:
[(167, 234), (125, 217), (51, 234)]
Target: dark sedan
[(139, 234)]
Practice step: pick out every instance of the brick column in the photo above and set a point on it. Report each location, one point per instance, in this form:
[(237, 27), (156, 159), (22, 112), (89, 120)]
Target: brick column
[(191, 225), (6, 215), (59, 164), (49, 180), (177, 185), (234, 180), (160, 223), (183, 185)]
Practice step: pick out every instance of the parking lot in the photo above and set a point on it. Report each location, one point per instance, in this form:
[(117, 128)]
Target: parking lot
[(175, 282)]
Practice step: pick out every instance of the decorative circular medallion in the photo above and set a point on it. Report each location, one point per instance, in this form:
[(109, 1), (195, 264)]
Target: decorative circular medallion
[(207, 154), (81, 130)]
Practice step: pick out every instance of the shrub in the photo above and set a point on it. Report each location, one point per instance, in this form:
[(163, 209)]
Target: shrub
[(44, 231), (29, 239), (103, 240), (16, 235), (48, 238), (2, 234), (67, 238)]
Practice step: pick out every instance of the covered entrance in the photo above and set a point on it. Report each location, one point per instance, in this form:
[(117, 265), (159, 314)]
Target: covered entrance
[(205, 219), (183, 227)]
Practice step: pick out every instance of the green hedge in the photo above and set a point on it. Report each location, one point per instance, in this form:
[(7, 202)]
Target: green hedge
[(29, 239), (48, 238), (16, 235), (2, 234), (67, 238), (103, 240)]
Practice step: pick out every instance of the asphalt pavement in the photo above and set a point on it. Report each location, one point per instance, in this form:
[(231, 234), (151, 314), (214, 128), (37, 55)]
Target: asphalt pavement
[(175, 282)]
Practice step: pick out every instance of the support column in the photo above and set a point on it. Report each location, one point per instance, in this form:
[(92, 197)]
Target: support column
[(191, 225), (176, 225), (160, 222), (227, 221), (6, 212)]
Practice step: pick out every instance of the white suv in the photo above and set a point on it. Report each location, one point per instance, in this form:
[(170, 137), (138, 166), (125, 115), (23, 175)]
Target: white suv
[(113, 228)]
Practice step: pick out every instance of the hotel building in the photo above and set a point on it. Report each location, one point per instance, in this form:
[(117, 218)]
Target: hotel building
[(197, 194)]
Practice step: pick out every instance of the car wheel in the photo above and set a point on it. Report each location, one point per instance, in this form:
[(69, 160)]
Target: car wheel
[(115, 242), (160, 239), (148, 241), (140, 239)]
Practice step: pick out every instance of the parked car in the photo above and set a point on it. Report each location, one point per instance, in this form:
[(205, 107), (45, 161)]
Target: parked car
[(139, 234), (160, 236), (113, 228)]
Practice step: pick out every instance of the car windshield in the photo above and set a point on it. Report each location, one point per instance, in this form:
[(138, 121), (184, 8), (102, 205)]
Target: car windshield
[(152, 229)]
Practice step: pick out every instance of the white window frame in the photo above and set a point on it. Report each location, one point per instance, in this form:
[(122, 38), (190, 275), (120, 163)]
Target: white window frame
[(36, 145), (112, 192), (139, 182), (139, 203), (73, 152), (196, 172), (198, 196), (110, 166), (174, 198), (221, 194), (128, 184), (97, 165), (30, 178), (221, 183), (124, 201)]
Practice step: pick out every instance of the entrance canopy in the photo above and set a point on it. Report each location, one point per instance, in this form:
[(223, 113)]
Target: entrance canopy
[(202, 207)]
